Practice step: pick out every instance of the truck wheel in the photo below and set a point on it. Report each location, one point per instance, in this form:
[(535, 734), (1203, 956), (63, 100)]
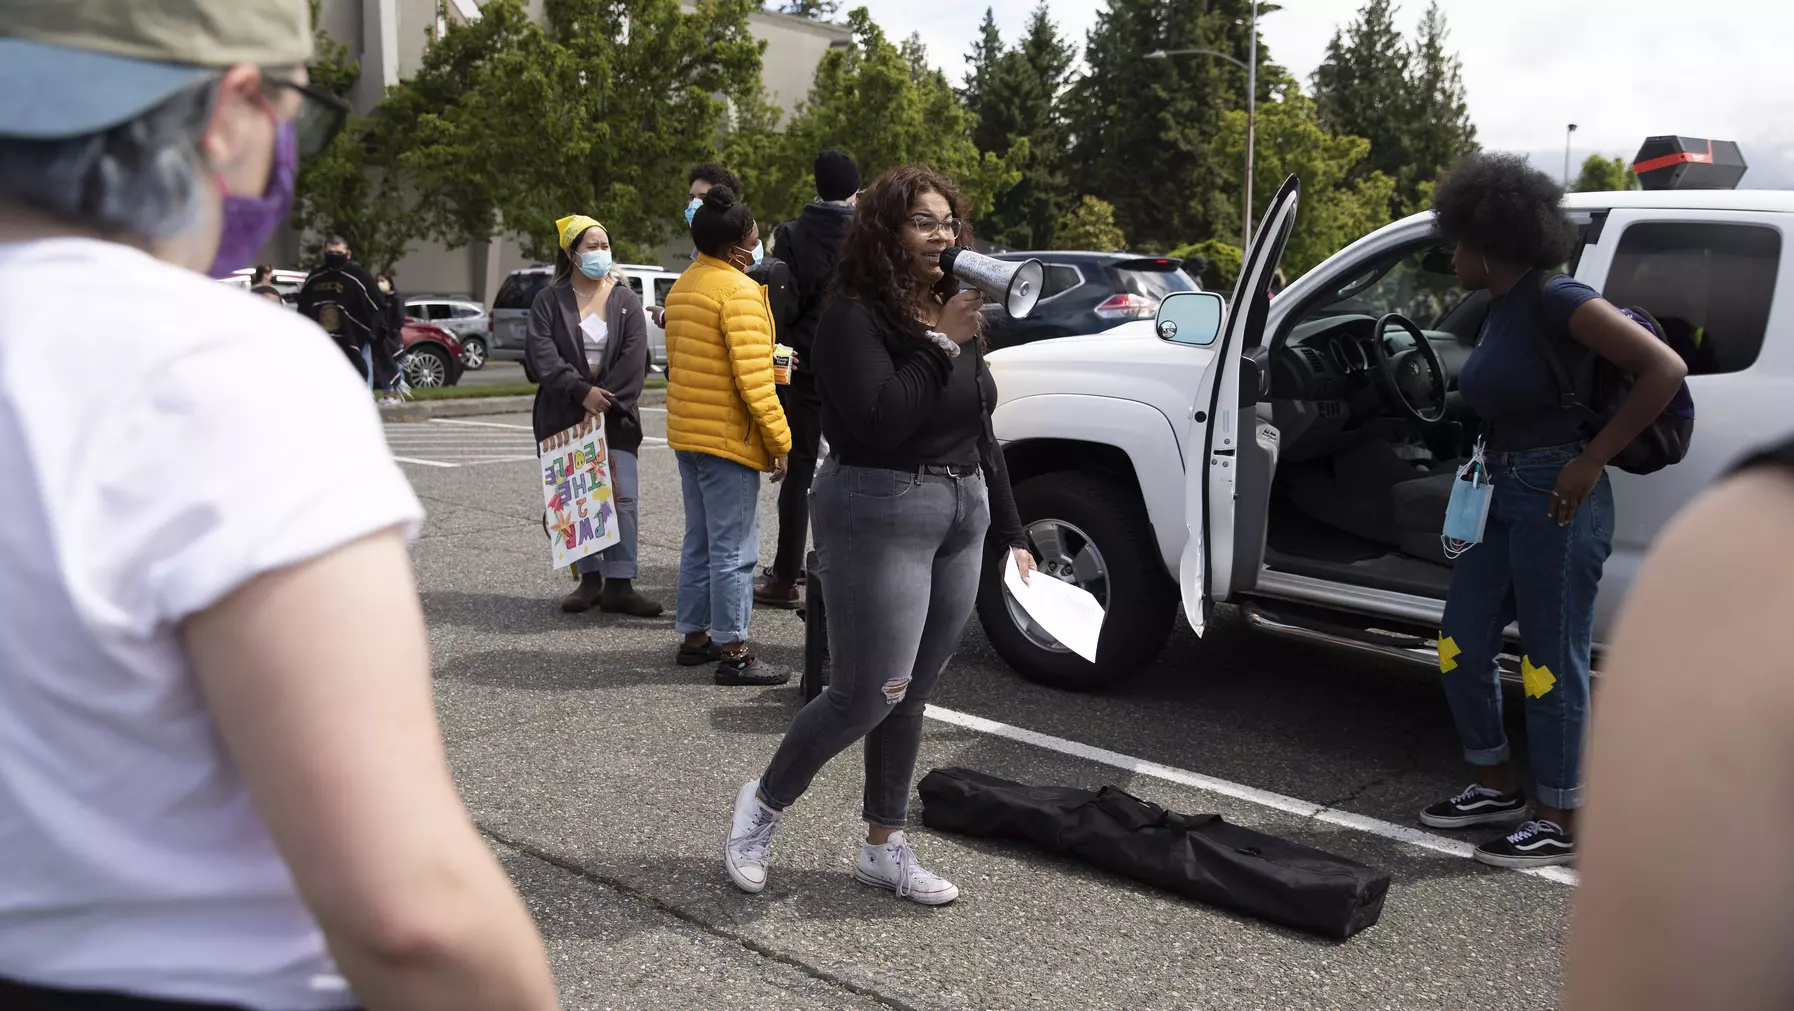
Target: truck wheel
[(1090, 531)]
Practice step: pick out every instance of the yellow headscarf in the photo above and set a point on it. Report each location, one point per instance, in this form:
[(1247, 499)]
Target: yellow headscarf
[(570, 226)]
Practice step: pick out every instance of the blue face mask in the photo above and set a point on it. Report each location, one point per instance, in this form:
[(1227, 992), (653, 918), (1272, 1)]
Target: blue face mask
[(595, 264), (691, 209), (759, 253)]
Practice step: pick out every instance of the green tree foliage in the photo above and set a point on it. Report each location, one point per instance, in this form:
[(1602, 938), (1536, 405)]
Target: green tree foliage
[(815, 10), (1339, 203), (1602, 174), (1407, 100), (351, 189), (1440, 129), (1143, 128), (1090, 224), (1015, 93), (1213, 262), (509, 125), (882, 104)]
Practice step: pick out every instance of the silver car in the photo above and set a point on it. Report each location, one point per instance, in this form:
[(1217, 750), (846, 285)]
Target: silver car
[(459, 315), (510, 309)]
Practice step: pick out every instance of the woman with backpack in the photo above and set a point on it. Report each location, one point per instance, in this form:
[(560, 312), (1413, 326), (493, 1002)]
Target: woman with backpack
[(1550, 518)]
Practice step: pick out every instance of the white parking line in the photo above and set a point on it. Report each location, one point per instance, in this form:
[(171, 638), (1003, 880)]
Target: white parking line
[(1237, 791), (478, 424), (656, 410), (425, 463)]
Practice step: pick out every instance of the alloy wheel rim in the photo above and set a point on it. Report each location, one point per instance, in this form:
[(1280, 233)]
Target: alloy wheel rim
[(1065, 552)]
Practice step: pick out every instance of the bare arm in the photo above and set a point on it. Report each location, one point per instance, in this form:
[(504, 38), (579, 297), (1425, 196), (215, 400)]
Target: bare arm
[(1658, 371), (336, 736), (1687, 898)]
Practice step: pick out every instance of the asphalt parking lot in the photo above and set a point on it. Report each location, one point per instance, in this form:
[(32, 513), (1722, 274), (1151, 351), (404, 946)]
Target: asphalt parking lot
[(603, 774)]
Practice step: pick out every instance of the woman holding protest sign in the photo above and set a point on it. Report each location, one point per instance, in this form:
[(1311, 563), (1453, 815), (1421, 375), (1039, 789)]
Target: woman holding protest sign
[(588, 346)]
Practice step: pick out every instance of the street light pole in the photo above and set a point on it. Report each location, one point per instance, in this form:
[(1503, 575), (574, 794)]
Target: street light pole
[(1567, 134), (1250, 66), (1251, 124)]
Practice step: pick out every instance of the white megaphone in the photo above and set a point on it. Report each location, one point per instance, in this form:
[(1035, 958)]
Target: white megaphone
[(1013, 284)]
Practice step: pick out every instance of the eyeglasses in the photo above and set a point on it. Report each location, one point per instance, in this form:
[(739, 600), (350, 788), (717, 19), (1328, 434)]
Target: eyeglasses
[(928, 226), (320, 118)]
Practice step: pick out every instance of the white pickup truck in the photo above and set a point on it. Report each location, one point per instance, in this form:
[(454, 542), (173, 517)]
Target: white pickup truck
[(1274, 455)]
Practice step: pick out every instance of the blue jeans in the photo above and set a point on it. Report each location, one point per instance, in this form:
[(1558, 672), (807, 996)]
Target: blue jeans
[(722, 545), (898, 555), (1528, 567), (619, 560)]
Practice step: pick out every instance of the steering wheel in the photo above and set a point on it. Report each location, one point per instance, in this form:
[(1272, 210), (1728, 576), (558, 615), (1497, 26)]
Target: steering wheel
[(1420, 393)]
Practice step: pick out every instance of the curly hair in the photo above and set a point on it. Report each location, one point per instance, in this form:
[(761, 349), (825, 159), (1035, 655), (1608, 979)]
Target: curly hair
[(1504, 209), (875, 267)]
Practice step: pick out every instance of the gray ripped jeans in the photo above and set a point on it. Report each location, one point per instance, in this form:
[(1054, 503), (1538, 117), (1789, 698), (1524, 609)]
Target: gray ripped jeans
[(899, 555)]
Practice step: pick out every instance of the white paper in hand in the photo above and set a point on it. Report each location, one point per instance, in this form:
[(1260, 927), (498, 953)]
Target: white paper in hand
[(1066, 612)]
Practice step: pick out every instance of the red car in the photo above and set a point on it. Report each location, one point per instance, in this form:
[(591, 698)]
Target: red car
[(431, 356)]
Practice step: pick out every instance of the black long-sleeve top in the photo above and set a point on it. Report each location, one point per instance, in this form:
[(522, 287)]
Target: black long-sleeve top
[(891, 398)]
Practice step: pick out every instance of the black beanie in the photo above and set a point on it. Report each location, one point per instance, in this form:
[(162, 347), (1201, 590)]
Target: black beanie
[(837, 176)]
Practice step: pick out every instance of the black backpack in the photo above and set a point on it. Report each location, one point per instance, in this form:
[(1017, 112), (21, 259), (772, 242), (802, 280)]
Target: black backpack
[(1665, 440)]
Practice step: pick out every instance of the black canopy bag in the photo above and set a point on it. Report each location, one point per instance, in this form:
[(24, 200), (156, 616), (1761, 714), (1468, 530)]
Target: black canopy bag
[(1665, 440), (1197, 856)]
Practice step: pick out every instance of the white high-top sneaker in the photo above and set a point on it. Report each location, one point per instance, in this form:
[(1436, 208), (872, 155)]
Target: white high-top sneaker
[(893, 865), (750, 839)]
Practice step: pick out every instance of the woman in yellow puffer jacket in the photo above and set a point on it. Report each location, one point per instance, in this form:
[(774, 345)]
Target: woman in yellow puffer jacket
[(725, 425)]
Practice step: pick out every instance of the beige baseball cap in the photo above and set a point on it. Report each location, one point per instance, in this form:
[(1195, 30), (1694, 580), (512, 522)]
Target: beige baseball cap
[(74, 67)]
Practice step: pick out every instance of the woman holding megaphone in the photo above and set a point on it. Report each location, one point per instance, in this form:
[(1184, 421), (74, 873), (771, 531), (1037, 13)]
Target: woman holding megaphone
[(900, 512)]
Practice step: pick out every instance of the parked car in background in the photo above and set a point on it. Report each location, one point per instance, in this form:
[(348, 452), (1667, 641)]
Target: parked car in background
[(287, 282), (510, 308), (461, 316), (431, 356), (1086, 293)]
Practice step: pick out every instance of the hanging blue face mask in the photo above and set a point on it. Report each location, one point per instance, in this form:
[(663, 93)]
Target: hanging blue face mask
[(1467, 513), (595, 263), (691, 209)]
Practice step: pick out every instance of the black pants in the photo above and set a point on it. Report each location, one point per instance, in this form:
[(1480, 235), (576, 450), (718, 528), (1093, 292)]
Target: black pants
[(803, 412)]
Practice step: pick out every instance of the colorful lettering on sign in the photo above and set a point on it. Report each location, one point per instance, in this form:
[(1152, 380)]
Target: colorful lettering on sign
[(585, 530)]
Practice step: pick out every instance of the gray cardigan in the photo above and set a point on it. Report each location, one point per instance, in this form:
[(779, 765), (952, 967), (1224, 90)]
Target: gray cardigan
[(557, 356)]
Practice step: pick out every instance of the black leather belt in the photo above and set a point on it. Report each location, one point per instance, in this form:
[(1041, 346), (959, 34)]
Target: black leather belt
[(945, 470)]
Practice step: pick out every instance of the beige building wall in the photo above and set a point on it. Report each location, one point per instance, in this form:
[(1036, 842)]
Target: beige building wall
[(389, 38)]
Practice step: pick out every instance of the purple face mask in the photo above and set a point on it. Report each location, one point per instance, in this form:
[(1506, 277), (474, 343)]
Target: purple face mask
[(248, 221)]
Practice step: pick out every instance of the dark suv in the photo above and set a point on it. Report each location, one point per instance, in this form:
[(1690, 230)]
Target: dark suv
[(1087, 293)]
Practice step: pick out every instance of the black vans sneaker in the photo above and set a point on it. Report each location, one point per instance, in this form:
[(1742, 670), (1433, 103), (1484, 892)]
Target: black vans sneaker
[(1477, 805), (1535, 844), (749, 671)]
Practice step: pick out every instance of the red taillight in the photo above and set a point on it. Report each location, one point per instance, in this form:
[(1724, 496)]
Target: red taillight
[(1128, 307)]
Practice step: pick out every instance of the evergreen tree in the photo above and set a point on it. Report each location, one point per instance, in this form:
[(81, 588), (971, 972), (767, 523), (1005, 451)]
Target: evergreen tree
[(815, 10), (1016, 94), (1143, 128), (985, 58), (1441, 131), (1361, 88), (1407, 100)]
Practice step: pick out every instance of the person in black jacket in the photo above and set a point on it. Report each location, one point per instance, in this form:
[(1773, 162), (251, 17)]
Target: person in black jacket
[(343, 299), (810, 245), (587, 342), (913, 483), (392, 337)]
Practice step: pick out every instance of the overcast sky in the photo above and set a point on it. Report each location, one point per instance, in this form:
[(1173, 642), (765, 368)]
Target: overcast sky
[(1621, 70)]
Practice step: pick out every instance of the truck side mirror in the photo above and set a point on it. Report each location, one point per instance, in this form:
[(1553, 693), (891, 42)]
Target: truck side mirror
[(1190, 317)]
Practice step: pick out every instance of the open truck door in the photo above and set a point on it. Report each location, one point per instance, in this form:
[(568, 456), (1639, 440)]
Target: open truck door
[(1216, 427)]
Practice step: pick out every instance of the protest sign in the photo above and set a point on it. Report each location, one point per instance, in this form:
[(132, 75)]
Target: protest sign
[(577, 491)]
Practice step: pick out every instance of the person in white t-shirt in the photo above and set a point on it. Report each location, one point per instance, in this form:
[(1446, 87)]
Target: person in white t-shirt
[(221, 778)]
